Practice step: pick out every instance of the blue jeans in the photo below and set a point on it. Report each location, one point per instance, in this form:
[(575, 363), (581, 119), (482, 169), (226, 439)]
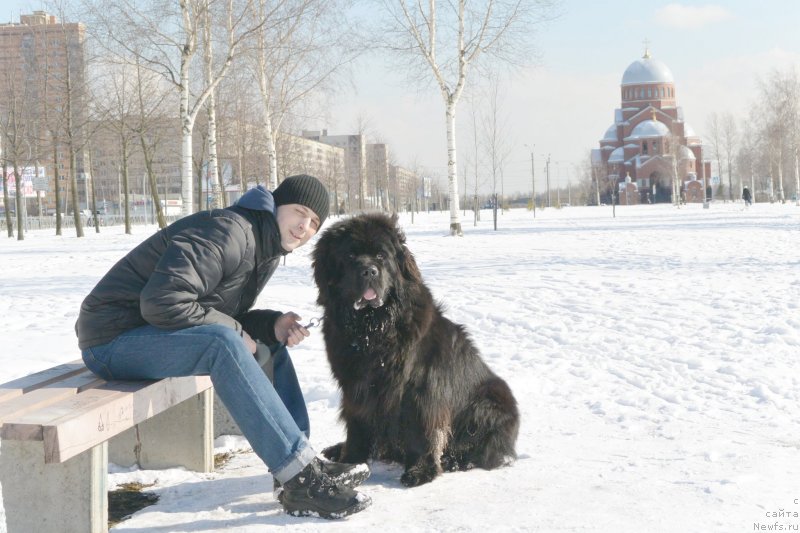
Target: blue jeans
[(272, 418)]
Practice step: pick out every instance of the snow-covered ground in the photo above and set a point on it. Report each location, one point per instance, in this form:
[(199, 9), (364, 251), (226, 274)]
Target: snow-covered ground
[(655, 357)]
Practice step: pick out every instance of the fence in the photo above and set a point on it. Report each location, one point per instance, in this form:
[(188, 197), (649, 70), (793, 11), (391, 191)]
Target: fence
[(68, 222)]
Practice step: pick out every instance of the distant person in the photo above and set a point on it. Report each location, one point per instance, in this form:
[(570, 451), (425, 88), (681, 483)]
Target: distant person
[(746, 196), (179, 304)]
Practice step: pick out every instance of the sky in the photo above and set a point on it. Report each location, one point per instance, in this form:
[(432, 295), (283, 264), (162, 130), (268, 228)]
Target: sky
[(562, 106)]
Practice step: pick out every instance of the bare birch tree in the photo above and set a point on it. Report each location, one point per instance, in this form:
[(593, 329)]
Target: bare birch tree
[(715, 139), (730, 142), (14, 122), (779, 115), (116, 105), (300, 51), (214, 177), (148, 130), (496, 142), (447, 39), (724, 137), (167, 36)]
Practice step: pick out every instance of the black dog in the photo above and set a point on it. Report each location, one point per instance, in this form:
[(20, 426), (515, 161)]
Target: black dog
[(414, 388)]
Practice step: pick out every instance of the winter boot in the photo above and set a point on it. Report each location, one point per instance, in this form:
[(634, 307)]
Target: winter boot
[(346, 474), (314, 493)]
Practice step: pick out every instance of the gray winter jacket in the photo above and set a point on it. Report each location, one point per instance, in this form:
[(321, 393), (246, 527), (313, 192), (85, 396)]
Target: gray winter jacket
[(206, 268)]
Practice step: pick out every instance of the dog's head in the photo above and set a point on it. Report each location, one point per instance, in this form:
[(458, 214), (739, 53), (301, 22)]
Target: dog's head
[(363, 261)]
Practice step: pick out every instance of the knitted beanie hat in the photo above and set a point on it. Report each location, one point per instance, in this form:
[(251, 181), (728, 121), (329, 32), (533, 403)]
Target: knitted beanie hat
[(304, 190)]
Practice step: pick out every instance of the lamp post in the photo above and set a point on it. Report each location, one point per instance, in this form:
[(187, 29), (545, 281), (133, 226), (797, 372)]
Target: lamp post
[(548, 180), (533, 181)]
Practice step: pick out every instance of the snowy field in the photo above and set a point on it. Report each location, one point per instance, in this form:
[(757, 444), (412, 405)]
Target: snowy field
[(655, 357)]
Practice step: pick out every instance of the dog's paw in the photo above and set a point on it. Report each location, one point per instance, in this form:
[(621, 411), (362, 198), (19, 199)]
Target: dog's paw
[(414, 477), (449, 463), (333, 453)]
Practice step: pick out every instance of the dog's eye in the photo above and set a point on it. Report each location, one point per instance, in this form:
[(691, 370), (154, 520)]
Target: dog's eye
[(379, 257), (351, 255)]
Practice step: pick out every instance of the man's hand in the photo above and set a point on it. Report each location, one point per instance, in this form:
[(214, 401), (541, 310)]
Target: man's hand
[(249, 342), (288, 329)]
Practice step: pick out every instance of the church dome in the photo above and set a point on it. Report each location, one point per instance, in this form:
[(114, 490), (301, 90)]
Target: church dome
[(649, 128), (611, 133), (686, 154), (646, 70), (688, 131), (617, 156)]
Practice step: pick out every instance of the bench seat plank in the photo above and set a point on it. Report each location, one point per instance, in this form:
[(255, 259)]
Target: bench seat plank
[(49, 394), (25, 384), (84, 420)]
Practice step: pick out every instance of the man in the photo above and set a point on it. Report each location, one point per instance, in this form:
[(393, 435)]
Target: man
[(179, 304)]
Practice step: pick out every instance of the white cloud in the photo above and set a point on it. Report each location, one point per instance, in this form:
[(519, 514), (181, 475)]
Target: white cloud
[(684, 17)]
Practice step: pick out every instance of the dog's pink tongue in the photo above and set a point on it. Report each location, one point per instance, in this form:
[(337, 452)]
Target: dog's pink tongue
[(370, 294)]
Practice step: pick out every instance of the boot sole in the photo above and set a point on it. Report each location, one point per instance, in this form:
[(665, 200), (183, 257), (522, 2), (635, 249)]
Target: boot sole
[(359, 505)]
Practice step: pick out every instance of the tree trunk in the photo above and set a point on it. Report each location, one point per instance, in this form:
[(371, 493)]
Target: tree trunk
[(19, 200), (7, 201), (187, 195), (94, 196), (730, 180), (57, 179), (215, 177), (151, 178), (266, 125), (211, 108), (272, 152), (452, 169), (73, 183), (781, 195), (796, 179), (125, 186)]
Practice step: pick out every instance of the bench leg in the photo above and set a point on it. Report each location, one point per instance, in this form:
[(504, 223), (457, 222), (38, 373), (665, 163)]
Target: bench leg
[(58, 497), (180, 436)]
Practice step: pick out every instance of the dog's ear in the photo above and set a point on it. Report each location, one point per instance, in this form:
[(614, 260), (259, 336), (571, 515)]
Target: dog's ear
[(401, 237), (408, 266), (321, 264)]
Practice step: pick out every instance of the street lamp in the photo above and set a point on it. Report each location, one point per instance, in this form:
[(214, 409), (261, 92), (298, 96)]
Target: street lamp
[(533, 180), (548, 180)]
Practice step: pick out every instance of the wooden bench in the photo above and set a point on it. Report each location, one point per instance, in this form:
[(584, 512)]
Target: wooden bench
[(61, 426)]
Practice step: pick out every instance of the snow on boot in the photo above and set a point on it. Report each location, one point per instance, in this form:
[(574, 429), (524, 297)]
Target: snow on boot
[(347, 474), (314, 493)]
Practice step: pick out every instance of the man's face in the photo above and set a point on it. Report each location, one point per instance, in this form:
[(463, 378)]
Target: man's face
[(297, 224)]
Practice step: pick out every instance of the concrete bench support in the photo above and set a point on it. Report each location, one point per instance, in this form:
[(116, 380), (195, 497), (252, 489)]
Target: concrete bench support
[(180, 436), (56, 497), (59, 425)]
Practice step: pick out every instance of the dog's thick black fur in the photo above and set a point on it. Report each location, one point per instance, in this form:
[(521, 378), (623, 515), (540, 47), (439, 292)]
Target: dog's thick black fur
[(414, 387)]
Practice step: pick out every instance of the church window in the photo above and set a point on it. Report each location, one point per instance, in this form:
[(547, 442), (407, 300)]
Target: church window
[(644, 148), (662, 92), (649, 92)]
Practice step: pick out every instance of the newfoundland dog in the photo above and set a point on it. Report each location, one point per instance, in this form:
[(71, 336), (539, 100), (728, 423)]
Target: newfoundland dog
[(414, 387)]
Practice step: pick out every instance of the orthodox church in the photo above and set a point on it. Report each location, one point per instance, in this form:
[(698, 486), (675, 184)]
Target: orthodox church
[(650, 153)]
